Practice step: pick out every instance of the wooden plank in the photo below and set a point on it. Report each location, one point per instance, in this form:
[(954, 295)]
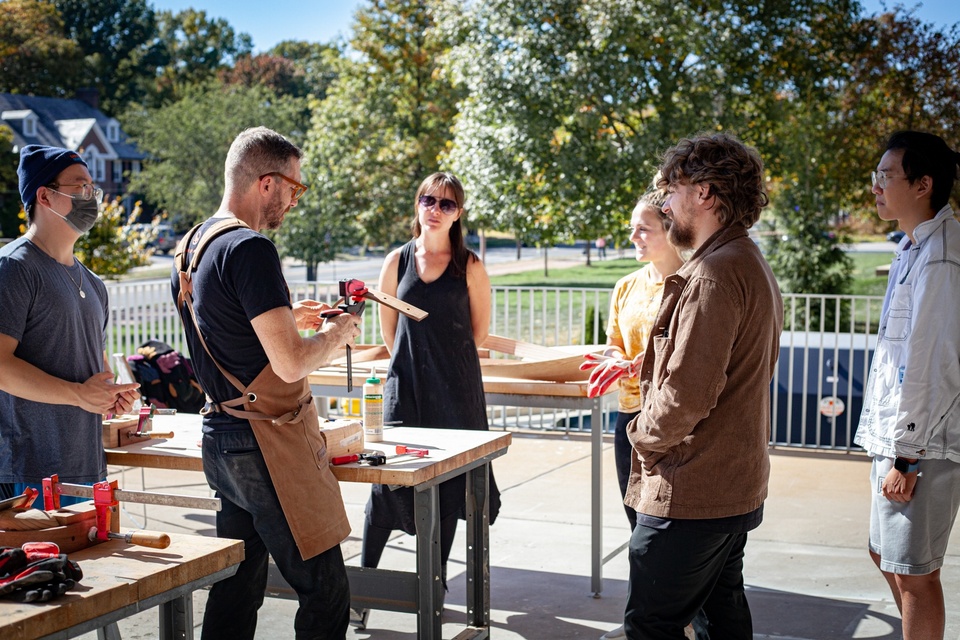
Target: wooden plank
[(449, 449), (118, 575)]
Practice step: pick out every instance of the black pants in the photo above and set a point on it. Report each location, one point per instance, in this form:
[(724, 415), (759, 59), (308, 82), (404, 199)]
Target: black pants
[(623, 457), (678, 570), (251, 512)]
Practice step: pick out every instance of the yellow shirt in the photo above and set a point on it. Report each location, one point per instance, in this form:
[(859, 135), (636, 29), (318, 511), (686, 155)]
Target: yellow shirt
[(633, 309)]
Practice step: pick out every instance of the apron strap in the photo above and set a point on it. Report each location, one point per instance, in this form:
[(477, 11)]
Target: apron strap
[(185, 298)]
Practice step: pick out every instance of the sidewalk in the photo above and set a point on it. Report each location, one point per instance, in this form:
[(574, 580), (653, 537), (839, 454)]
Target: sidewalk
[(807, 570)]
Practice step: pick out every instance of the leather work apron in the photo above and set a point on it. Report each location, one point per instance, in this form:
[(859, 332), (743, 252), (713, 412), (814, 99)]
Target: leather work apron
[(287, 427)]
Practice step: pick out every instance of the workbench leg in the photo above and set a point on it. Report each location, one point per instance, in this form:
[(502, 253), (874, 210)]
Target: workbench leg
[(478, 547), (176, 618), (109, 632), (429, 583), (596, 497)]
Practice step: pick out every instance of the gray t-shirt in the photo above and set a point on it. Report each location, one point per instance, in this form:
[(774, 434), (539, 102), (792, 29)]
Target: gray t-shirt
[(62, 334)]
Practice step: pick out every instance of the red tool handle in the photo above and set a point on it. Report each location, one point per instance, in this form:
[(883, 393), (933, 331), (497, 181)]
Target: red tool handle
[(412, 450), (345, 459)]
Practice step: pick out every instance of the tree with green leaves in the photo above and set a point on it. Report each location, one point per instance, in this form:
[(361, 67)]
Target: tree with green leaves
[(384, 122), (188, 142), (315, 63), (10, 205), (111, 248), (36, 58), (190, 48), (569, 102), (116, 38)]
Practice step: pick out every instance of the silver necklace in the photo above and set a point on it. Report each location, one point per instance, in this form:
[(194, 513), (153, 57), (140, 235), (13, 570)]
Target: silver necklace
[(79, 286)]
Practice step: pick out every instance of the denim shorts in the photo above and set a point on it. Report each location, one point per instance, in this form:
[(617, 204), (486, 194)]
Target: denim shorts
[(911, 537)]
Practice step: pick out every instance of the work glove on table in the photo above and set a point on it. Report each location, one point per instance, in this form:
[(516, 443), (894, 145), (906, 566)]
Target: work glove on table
[(38, 572), (607, 369)]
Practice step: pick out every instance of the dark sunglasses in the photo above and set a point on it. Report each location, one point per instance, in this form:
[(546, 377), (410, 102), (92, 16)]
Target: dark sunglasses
[(449, 207)]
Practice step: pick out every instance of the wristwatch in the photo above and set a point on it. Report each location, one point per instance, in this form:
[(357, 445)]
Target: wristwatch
[(905, 466)]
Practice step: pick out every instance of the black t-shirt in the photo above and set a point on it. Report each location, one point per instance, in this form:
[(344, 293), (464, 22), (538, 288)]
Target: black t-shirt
[(239, 277)]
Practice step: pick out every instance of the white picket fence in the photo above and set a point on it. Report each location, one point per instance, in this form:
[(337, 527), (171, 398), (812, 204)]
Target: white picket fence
[(816, 394)]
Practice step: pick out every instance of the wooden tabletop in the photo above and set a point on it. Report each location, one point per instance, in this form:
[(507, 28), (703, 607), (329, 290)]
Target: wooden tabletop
[(117, 575), (336, 376), (450, 450)]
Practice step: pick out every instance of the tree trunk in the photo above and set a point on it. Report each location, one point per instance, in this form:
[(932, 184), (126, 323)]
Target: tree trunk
[(311, 271), (518, 248), (546, 270), (483, 246)]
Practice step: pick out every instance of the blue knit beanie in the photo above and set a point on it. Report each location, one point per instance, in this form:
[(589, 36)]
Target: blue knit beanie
[(39, 166)]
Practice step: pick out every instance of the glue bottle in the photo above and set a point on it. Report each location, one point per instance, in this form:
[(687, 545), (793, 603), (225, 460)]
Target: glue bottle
[(373, 409)]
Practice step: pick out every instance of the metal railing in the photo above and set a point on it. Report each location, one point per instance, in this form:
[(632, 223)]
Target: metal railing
[(816, 393)]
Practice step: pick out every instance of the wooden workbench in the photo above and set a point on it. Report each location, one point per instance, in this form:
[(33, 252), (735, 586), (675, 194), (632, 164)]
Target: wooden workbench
[(452, 453), (120, 580), (512, 392)]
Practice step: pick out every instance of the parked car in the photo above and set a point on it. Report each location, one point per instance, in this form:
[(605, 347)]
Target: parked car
[(165, 240), (896, 236)]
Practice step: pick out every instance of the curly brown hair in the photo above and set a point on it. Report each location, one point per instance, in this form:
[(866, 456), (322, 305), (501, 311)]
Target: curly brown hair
[(732, 170)]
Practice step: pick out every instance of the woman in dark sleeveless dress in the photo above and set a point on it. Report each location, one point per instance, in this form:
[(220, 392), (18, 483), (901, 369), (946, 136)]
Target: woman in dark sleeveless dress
[(434, 375)]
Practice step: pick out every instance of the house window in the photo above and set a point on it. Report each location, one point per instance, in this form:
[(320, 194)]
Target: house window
[(135, 167), (113, 132), (30, 126), (117, 172), (101, 165)]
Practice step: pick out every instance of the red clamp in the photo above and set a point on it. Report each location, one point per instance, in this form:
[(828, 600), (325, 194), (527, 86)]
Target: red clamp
[(146, 419), (105, 504), (51, 493)]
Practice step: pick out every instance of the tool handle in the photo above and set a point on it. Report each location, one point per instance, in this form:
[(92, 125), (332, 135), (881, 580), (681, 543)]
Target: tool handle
[(158, 435), (150, 539), (404, 449), (345, 459)]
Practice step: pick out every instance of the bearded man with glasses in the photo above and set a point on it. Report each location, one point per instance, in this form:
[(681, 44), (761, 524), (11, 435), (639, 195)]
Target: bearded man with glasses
[(55, 384), (262, 449)]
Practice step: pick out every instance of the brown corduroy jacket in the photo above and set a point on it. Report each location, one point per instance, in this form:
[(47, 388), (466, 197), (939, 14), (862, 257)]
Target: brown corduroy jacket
[(700, 442)]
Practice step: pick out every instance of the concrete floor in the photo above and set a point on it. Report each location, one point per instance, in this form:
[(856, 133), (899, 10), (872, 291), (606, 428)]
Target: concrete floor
[(807, 569)]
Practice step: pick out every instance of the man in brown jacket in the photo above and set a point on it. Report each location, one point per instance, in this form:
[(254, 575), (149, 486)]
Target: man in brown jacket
[(700, 470)]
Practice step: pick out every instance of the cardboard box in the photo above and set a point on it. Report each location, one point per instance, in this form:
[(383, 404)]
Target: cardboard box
[(343, 437)]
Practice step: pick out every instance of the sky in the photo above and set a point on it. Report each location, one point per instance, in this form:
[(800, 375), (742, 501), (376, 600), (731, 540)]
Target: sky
[(324, 20)]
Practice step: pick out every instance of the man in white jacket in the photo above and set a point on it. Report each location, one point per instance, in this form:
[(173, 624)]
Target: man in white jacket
[(911, 418)]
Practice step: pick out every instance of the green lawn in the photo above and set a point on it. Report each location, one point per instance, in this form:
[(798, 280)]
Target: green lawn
[(605, 273)]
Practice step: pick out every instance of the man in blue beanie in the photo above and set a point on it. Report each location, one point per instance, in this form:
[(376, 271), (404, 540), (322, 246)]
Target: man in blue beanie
[(55, 385)]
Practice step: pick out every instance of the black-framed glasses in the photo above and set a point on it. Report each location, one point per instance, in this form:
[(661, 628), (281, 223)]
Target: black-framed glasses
[(298, 188), (88, 191), (447, 206), (879, 178)]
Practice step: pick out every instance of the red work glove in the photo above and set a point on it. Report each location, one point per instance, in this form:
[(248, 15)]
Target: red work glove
[(608, 370), (36, 575)]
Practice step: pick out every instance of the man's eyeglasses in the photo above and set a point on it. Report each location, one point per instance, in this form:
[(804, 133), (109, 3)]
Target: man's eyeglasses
[(447, 206), (298, 189), (87, 191), (879, 178)]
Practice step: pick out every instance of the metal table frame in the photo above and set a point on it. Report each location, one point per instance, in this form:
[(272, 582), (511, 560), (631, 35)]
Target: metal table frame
[(175, 610), (598, 408)]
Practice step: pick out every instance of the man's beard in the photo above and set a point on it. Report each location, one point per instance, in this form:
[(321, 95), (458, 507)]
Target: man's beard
[(680, 236), (272, 212)]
